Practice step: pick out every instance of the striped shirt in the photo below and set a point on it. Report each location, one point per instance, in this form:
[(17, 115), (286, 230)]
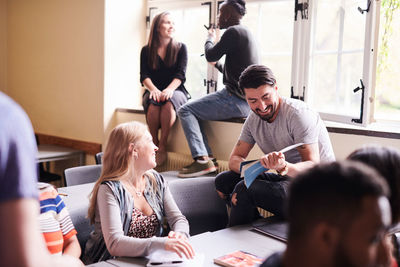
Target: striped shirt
[(54, 219)]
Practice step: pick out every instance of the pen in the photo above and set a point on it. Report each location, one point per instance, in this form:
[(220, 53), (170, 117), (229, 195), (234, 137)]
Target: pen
[(165, 262)]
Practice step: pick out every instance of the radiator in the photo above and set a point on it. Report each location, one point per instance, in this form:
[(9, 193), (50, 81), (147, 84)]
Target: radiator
[(177, 161)]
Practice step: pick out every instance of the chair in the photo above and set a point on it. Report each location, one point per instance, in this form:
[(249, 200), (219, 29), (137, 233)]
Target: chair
[(199, 202), (82, 174), (98, 157)]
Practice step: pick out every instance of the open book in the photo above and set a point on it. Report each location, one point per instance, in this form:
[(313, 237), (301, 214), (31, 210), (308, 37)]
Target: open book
[(239, 259), (249, 170)]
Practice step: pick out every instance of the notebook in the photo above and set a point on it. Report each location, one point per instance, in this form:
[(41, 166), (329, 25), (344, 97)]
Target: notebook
[(273, 227)]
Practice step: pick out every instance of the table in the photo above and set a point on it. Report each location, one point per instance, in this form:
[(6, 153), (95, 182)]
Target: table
[(47, 153), (211, 244), (76, 198), (218, 243)]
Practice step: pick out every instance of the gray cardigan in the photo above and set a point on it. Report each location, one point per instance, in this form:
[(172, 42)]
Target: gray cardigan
[(113, 217)]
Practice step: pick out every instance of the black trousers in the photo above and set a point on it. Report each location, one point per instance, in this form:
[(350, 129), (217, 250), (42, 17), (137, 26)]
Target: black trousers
[(268, 191)]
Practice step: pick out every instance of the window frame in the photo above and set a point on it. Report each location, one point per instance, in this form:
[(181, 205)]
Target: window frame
[(301, 51)]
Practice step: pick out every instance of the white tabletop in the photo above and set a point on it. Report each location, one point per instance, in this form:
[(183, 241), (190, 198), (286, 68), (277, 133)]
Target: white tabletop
[(76, 197), (218, 243)]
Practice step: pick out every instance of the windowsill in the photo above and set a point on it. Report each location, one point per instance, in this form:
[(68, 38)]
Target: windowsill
[(384, 130), (376, 129)]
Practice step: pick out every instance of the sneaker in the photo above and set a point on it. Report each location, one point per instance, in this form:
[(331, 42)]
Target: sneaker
[(196, 169), (214, 160)]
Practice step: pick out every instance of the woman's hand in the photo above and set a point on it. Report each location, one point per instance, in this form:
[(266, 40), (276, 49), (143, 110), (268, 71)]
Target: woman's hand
[(177, 235), (166, 94), (179, 244), (155, 94)]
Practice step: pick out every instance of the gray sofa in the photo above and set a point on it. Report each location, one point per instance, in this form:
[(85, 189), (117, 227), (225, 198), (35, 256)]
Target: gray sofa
[(196, 198)]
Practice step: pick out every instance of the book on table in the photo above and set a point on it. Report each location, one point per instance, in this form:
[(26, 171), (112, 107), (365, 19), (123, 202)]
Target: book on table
[(239, 258)]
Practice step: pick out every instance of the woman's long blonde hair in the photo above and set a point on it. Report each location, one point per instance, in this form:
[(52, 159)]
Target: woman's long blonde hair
[(117, 158), (154, 43)]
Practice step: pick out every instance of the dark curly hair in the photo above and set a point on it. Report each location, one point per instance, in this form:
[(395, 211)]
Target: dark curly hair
[(386, 160), (239, 5)]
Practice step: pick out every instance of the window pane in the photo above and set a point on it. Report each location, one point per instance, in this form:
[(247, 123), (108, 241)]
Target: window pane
[(387, 96), (336, 59), (272, 24)]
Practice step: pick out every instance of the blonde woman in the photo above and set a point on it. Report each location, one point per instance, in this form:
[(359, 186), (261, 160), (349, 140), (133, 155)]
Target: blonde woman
[(162, 72), (130, 200)]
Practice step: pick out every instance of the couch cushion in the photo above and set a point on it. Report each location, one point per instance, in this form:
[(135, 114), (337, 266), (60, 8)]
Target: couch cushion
[(199, 202)]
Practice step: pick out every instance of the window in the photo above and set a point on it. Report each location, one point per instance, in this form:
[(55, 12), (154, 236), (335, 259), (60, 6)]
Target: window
[(336, 58), (387, 96), (275, 43), (339, 56)]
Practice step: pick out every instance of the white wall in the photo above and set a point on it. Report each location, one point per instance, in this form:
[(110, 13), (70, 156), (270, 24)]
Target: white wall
[(344, 144), (71, 63), (55, 65), (124, 37)]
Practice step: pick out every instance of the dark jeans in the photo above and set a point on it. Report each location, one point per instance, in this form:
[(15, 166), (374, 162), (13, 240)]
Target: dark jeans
[(268, 191)]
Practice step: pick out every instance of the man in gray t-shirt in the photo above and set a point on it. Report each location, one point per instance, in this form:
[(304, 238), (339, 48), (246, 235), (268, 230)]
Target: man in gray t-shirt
[(274, 123)]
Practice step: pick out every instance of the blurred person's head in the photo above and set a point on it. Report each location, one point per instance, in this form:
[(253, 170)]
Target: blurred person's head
[(129, 149), (231, 12), (339, 212), (386, 160), (162, 31), (259, 85)]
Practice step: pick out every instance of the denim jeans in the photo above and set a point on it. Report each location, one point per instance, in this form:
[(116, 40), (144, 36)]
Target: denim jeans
[(220, 105), (268, 191)]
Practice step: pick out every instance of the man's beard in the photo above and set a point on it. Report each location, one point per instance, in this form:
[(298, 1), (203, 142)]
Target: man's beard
[(269, 116)]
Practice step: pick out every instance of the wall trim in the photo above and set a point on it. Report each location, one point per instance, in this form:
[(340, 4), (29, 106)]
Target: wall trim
[(88, 147)]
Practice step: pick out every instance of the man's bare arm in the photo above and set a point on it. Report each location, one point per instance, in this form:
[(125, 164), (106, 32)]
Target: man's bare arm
[(309, 157), (239, 154), (276, 160)]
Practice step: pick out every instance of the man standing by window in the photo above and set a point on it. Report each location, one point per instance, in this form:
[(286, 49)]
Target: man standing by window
[(239, 47)]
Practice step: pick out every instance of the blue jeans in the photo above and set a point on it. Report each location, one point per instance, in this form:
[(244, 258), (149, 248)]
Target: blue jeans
[(220, 105), (268, 191)]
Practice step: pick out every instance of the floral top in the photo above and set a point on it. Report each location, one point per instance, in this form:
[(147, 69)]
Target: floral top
[(143, 226)]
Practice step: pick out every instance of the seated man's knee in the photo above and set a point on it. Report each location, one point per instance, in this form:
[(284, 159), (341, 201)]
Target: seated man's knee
[(240, 188), (239, 192), (223, 182), (183, 110)]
